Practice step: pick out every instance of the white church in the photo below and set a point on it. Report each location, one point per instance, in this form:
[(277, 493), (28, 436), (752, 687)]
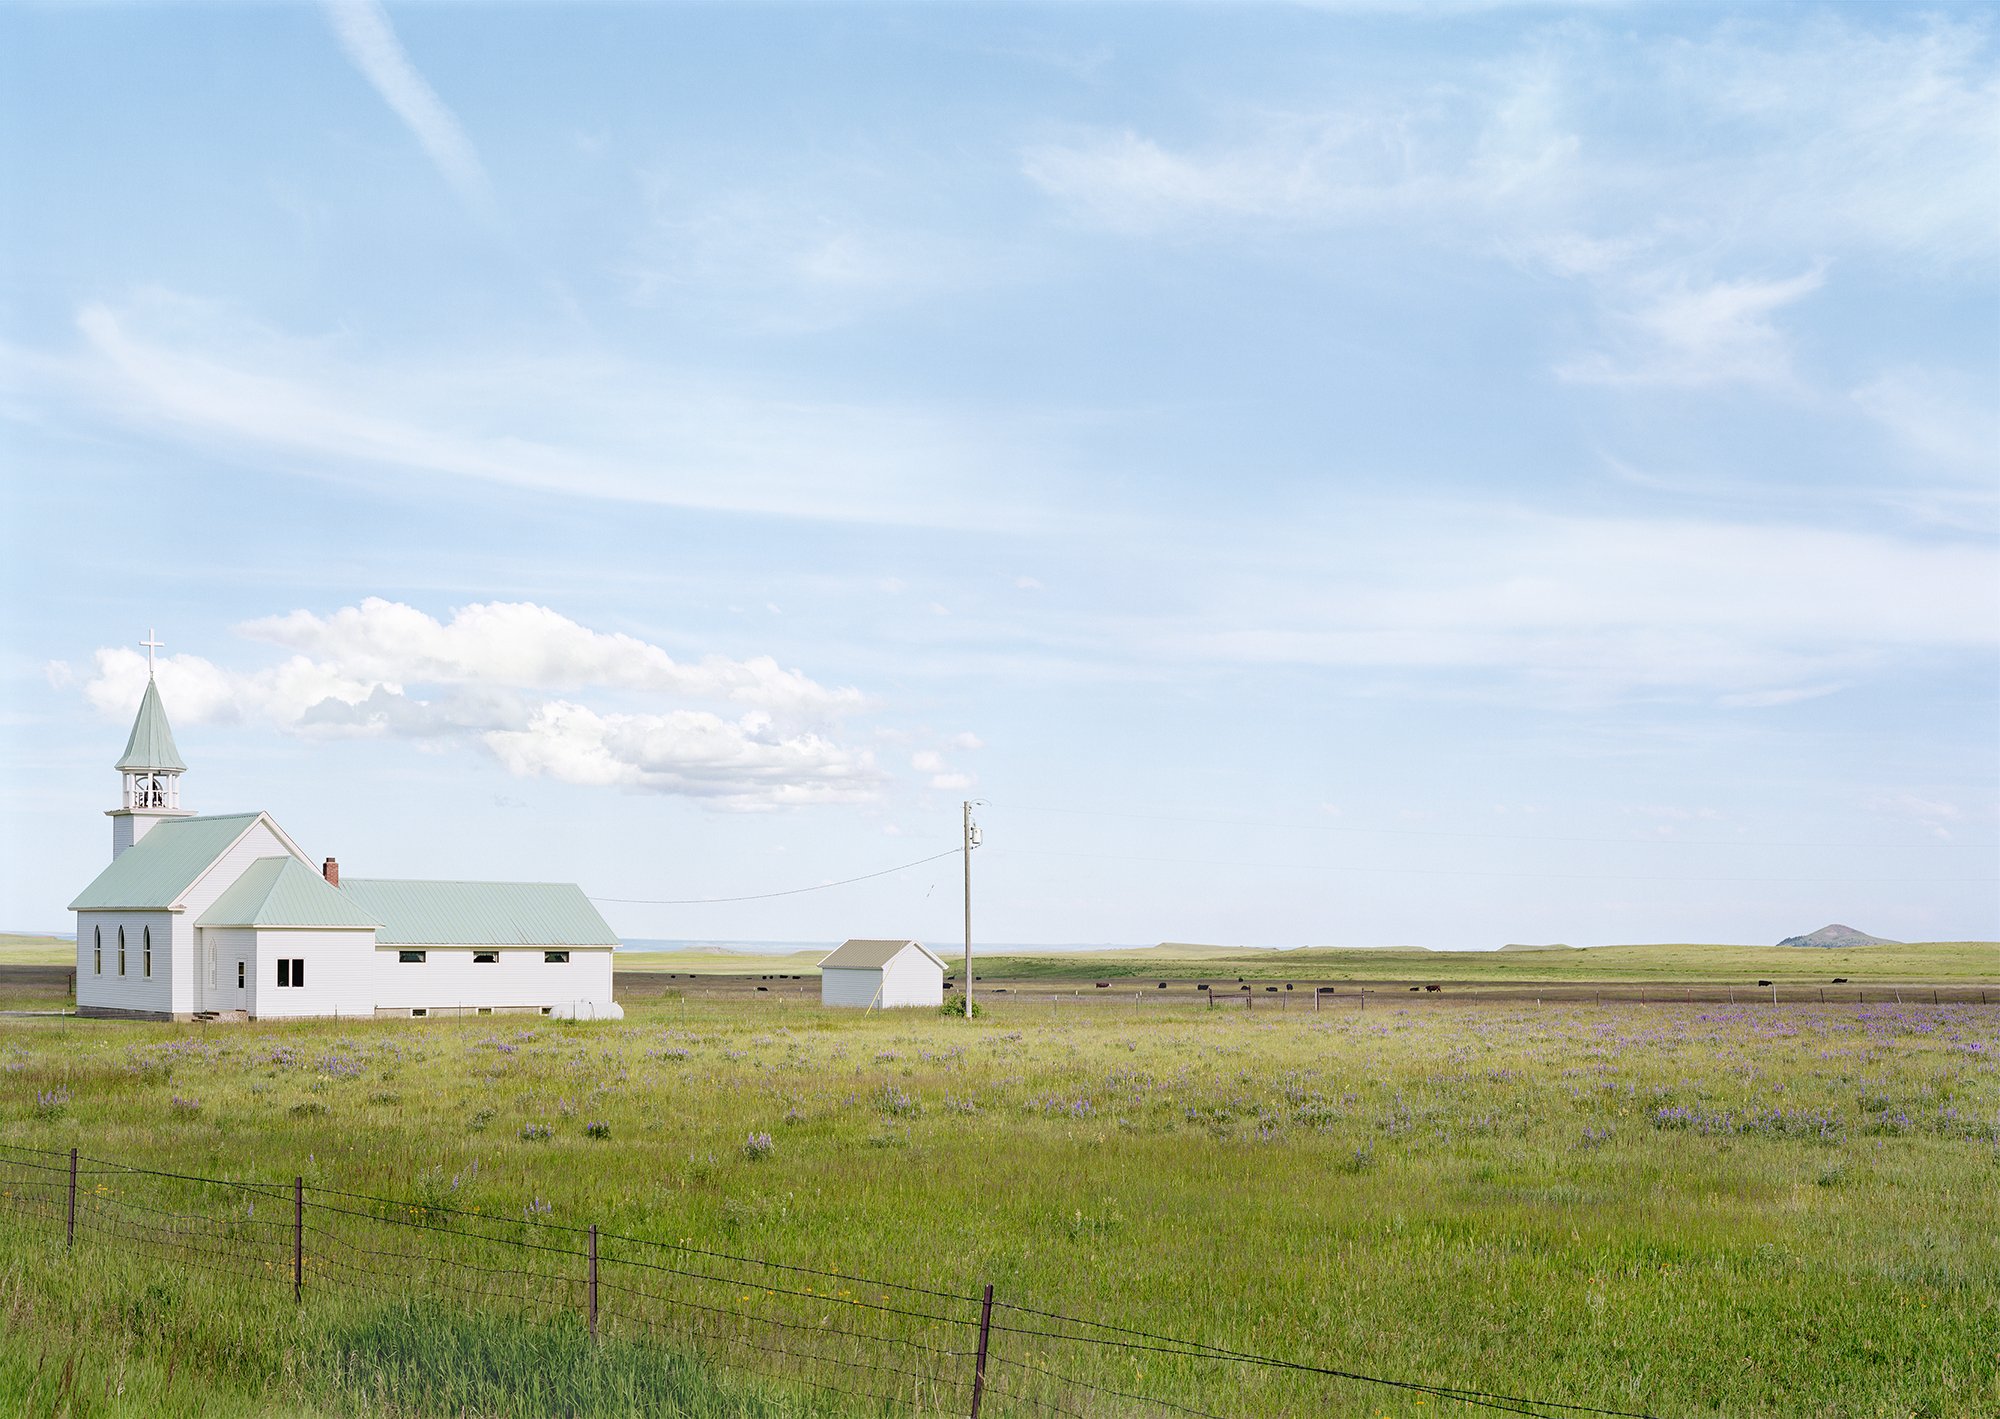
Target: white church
[(224, 917)]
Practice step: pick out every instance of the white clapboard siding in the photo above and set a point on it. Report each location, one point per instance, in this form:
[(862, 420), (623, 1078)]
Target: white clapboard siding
[(133, 990), (448, 979), (339, 971), (910, 978), (191, 988)]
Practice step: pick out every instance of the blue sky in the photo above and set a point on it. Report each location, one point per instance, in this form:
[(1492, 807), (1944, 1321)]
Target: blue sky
[(1354, 474)]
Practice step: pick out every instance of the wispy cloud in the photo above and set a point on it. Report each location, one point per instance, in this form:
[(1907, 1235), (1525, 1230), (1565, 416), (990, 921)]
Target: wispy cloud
[(1580, 611), (576, 423), (371, 43), (1793, 146), (1712, 332)]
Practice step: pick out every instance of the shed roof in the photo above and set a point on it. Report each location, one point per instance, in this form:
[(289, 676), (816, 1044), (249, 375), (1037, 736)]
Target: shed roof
[(872, 955), (152, 743), (282, 891), (157, 869), (478, 913)]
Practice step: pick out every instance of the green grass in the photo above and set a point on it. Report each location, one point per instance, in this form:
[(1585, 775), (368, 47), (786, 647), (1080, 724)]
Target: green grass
[(1930, 962), (714, 962), (28, 950), (1697, 1211)]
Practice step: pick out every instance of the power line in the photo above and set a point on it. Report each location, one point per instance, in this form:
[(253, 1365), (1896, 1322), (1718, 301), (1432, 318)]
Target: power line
[(766, 896)]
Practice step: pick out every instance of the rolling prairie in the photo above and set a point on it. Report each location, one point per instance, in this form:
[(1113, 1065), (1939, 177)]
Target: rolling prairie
[(1681, 1210)]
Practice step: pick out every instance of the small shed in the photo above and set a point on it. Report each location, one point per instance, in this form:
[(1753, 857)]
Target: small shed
[(881, 974)]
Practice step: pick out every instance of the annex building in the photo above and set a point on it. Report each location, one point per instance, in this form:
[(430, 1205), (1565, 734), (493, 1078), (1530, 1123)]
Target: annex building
[(202, 916)]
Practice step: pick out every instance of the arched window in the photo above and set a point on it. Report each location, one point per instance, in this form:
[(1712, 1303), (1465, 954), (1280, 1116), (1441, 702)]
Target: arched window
[(146, 952), (97, 950), (121, 950)]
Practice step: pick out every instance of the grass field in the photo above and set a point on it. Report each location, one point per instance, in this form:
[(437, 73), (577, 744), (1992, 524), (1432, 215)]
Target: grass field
[(29, 950), (1681, 1210), (1931, 961)]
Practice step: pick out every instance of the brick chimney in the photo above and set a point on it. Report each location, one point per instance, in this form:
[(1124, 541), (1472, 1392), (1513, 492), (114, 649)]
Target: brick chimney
[(331, 872)]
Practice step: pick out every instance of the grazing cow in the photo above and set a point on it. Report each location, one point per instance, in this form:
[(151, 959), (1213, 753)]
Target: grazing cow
[(1763, 982), (1104, 985), (1840, 980), (1433, 988)]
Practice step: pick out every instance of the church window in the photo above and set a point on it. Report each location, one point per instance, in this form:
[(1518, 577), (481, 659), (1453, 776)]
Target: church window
[(284, 972), (411, 958), (298, 971), (121, 950), (556, 958), (239, 975), (485, 958), (97, 950), (146, 952)]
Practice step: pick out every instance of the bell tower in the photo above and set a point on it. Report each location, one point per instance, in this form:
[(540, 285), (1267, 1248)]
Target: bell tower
[(151, 766)]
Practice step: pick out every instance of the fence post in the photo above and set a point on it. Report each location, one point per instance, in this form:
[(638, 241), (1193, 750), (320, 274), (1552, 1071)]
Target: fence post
[(298, 1238), (70, 1239), (979, 1360), (593, 1281)]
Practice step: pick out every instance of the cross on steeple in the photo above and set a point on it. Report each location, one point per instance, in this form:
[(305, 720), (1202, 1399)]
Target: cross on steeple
[(152, 643)]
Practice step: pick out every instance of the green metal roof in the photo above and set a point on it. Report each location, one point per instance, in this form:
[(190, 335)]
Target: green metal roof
[(154, 871), (479, 913), (860, 955), (152, 743), (282, 891)]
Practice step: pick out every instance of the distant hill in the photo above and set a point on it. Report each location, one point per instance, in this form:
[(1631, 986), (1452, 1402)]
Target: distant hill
[(1837, 935), (1552, 946)]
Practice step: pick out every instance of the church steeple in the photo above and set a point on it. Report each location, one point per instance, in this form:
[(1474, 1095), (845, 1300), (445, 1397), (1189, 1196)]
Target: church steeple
[(151, 765)]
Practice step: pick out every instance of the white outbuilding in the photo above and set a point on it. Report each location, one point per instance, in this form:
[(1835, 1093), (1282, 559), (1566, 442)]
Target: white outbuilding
[(881, 975)]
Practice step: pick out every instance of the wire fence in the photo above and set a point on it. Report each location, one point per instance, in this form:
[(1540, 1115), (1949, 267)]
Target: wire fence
[(884, 1346)]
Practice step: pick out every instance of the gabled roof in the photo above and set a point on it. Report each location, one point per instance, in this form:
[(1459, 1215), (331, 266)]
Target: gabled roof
[(478, 913), (872, 955), (152, 743), (282, 891), (156, 870)]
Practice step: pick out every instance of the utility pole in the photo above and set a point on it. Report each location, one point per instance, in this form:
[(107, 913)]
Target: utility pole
[(969, 839)]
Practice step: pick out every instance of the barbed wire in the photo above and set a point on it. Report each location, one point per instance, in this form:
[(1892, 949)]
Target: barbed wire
[(239, 1244)]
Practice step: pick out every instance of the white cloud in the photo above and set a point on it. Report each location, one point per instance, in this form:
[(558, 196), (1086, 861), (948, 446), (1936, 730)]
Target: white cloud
[(370, 42), (1944, 416), (1793, 145), (386, 670), (927, 761), (1699, 333), (522, 645), (790, 260), (1770, 699), (577, 425), (967, 740), (1580, 610), (737, 764)]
